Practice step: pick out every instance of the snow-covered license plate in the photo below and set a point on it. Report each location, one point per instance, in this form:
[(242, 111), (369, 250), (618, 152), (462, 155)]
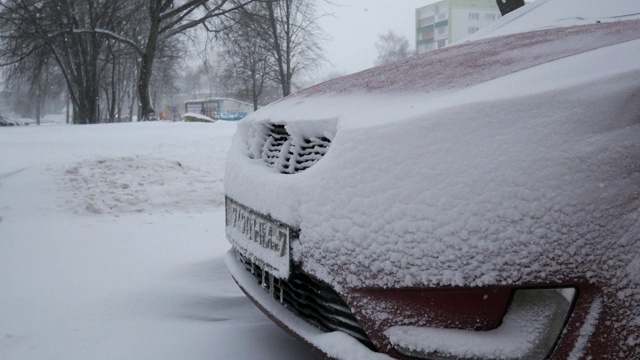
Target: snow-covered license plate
[(262, 239)]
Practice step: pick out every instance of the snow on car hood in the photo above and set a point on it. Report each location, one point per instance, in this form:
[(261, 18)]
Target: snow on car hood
[(519, 176), (446, 77)]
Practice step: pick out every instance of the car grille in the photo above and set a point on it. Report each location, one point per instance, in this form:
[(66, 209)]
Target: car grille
[(311, 300), (287, 153)]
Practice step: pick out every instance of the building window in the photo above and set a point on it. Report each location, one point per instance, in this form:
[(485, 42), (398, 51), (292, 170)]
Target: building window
[(473, 29), (442, 16), (441, 30), (422, 48), (490, 17), (474, 16), (442, 43), (426, 21), (426, 34), (425, 13)]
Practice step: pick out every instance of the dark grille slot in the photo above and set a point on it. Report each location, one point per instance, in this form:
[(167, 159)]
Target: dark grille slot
[(312, 300), (272, 149), (310, 152), (316, 307), (287, 153)]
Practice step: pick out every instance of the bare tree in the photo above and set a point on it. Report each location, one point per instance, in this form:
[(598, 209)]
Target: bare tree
[(117, 81), (207, 76), (38, 30), (168, 68), (245, 57), (39, 75), (289, 31), (166, 19), (391, 47), (76, 33)]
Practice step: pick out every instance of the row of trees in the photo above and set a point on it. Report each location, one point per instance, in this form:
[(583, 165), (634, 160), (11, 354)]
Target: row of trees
[(267, 44), (110, 54)]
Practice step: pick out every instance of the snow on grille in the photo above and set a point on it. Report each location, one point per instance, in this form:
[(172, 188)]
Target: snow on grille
[(288, 153)]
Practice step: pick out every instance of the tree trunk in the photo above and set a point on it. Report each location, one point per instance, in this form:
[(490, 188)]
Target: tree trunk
[(145, 107), (288, 36), (254, 88), (146, 65), (38, 105), (68, 106), (278, 49), (114, 94), (39, 97)]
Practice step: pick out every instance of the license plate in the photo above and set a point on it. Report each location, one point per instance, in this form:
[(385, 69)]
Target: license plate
[(260, 238)]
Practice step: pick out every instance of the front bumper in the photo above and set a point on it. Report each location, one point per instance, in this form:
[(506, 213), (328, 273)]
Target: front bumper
[(334, 344), (403, 323), (315, 314)]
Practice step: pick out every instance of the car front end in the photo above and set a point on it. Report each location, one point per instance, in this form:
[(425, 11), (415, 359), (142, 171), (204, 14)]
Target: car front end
[(465, 204)]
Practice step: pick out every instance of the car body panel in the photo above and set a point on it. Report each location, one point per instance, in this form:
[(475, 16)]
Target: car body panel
[(523, 176)]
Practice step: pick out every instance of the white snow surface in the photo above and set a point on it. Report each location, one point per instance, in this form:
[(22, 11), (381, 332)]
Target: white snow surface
[(439, 176), (112, 247)]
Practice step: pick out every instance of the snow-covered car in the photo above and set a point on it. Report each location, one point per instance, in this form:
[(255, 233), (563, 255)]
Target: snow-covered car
[(481, 201), (6, 122)]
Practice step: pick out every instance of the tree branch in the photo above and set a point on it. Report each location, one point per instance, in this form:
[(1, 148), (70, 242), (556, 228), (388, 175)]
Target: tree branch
[(112, 36)]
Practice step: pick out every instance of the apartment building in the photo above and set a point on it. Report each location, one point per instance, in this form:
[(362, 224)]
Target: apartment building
[(448, 21)]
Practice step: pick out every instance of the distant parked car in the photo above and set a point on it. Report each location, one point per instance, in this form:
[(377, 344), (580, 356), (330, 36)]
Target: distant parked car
[(481, 201), (6, 122), (195, 117)]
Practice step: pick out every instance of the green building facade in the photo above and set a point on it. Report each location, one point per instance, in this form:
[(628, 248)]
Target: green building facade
[(448, 21)]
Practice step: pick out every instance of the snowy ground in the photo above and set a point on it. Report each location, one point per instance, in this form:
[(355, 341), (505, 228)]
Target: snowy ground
[(112, 243)]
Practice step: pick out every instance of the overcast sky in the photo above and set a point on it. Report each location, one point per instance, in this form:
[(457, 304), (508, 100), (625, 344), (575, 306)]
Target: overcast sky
[(355, 26)]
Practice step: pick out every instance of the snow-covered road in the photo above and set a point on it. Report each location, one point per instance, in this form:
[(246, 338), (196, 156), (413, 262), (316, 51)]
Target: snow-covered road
[(112, 243)]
